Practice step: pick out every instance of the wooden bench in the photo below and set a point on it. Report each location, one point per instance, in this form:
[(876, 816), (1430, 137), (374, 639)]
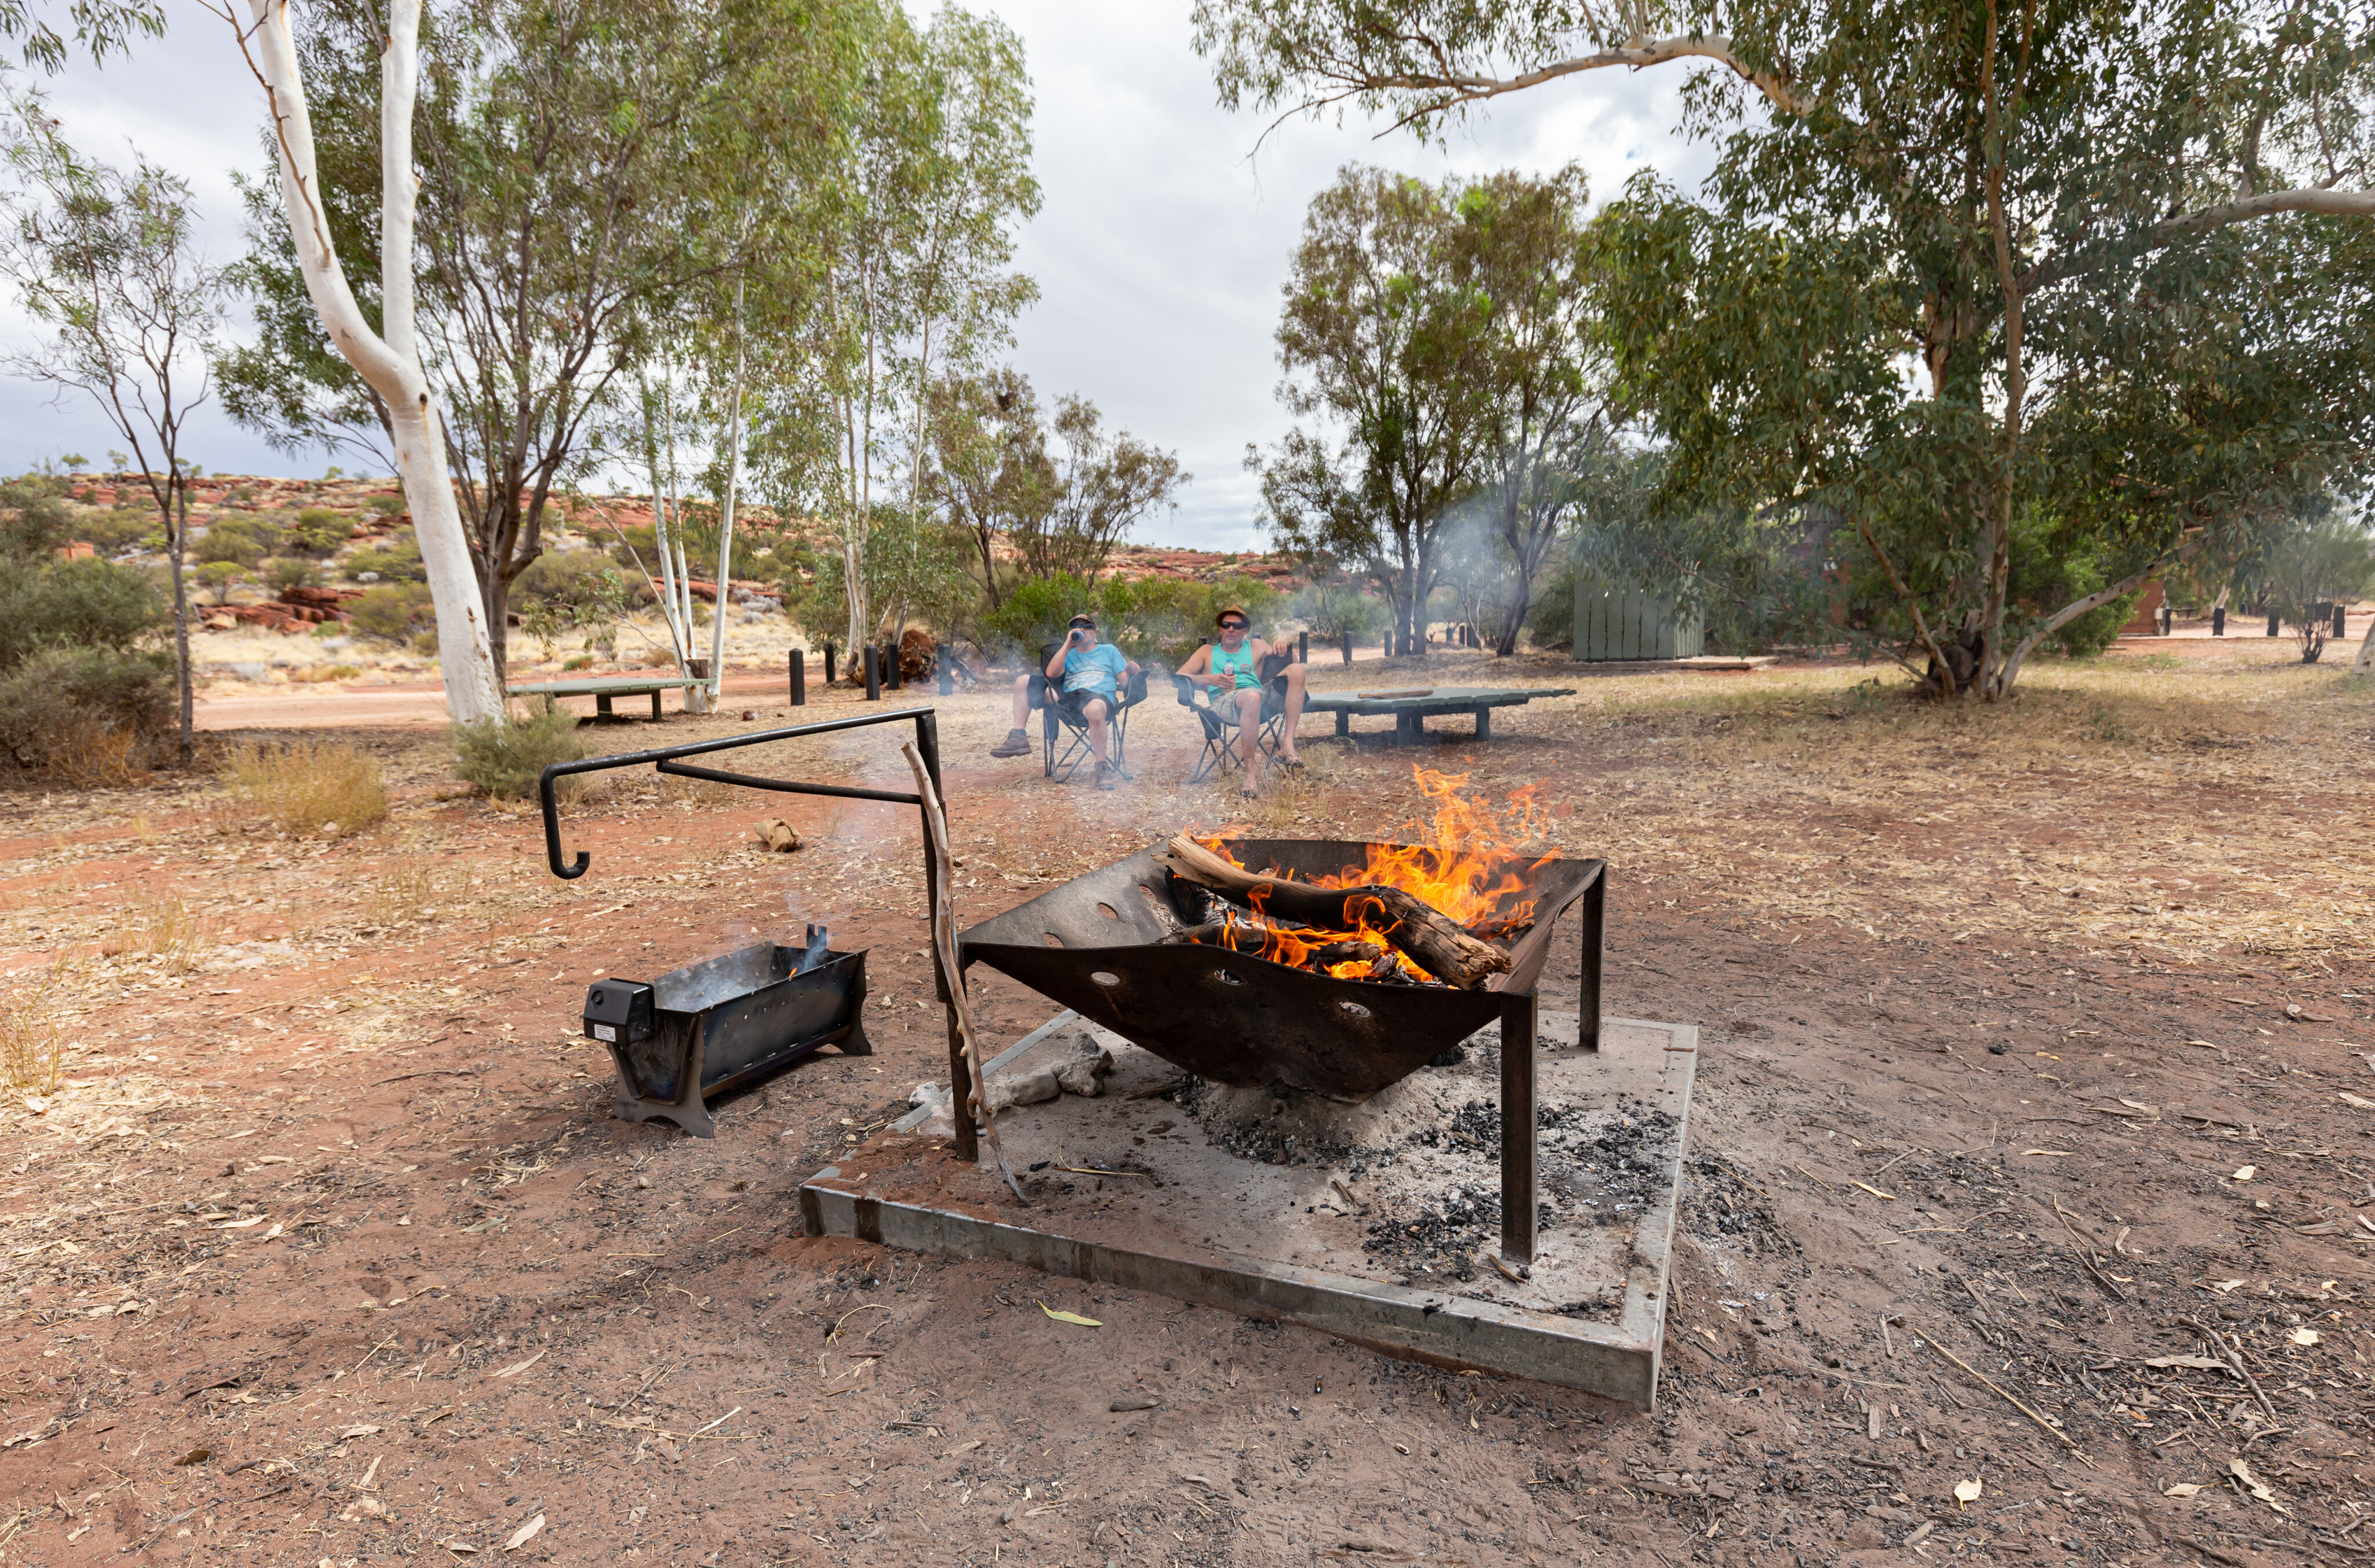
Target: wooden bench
[(1411, 707), (603, 689)]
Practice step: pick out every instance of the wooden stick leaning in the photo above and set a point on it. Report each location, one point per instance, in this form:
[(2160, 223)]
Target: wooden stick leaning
[(944, 940), (1428, 937)]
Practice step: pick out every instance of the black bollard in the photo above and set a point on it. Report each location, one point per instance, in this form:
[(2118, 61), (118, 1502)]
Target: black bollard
[(873, 673), (2338, 632), (2273, 623), (1348, 647), (1303, 647), (2218, 622), (828, 666), (2167, 619), (941, 662), (800, 679), (891, 667)]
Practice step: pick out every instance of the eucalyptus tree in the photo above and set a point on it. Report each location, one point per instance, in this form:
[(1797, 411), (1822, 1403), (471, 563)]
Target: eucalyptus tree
[(1384, 340), (109, 260), (905, 278), (990, 471), (2006, 288), (583, 169), (101, 27), (1522, 243)]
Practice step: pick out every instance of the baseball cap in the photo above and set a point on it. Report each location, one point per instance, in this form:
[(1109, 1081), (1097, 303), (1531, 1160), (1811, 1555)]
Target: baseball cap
[(1084, 621)]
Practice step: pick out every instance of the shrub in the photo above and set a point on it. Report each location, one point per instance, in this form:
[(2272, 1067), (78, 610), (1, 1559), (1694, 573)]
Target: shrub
[(505, 757), (390, 504), (85, 710), (309, 787), (32, 1032), (86, 602), (290, 572), (243, 541), (219, 576), (580, 579), (398, 561), (319, 531), (392, 612)]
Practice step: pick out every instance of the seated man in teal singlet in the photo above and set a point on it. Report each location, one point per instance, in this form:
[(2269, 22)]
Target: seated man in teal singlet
[(1091, 674), (1233, 668)]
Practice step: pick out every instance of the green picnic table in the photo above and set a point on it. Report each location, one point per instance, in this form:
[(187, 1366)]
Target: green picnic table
[(603, 689), (1409, 707)]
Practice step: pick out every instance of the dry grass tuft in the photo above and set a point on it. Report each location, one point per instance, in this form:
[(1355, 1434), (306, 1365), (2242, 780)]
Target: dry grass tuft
[(162, 926), (32, 1033), (412, 891), (87, 754), (325, 787)]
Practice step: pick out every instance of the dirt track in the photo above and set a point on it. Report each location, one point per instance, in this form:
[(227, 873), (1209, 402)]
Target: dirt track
[(465, 1283)]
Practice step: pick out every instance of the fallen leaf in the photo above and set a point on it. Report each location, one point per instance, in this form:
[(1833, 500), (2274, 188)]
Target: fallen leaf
[(195, 1457), (2245, 1173), (517, 1367), (2140, 1105), (357, 1432), (1970, 1491), (2251, 1483), (525, 1534), (1070, 1317), (963, 1448), (242, 1224), (1121, 1405), (2357, 1102), (2303, 1335), (2046, 1151), (2223, 1286), (36, 1104), (2204, 1363), (458, 1546), (2183, 1489), (1888, 1196)]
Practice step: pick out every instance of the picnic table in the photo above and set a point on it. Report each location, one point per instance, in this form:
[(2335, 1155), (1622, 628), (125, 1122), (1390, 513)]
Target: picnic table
[(602, 689), (1410, 706)]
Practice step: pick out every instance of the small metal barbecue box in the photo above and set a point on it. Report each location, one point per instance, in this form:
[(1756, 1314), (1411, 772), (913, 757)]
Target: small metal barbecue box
[(721, 1023)]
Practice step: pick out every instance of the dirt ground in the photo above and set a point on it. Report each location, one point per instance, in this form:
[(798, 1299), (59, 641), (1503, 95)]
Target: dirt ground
[(328, 1249)]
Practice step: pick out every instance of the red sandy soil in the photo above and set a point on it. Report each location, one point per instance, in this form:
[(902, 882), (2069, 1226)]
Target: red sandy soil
[(470, 1300)]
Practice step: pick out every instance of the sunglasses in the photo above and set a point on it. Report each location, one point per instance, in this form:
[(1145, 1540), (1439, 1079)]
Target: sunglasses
[(1232, 626)]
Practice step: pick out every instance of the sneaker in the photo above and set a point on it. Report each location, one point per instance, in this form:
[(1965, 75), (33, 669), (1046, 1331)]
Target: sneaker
[(1108, 778), (1016, 744)]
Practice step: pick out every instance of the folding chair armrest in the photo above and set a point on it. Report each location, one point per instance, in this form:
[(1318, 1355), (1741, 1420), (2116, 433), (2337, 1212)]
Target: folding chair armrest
[(1134, 692)]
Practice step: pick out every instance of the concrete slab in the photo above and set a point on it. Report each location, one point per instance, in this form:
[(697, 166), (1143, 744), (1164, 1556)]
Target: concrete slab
[(1385, 1240)]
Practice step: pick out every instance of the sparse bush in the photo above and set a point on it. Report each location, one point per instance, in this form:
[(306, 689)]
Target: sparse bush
[(243, 541), (162, 926), (32, 1036), (309, 787), (290, 571), (398, 561), (88, 712), (319, 532), (392, 612), (219, 576), (117, 529), (503, 757), (390, 504)]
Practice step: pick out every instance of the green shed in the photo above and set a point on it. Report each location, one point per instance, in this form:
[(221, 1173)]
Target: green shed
[(1618, 623)]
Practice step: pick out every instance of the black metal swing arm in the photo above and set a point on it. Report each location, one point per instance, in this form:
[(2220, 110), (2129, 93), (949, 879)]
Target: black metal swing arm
[(664, 759)]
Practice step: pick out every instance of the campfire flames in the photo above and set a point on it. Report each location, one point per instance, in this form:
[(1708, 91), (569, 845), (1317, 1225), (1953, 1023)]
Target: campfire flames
[(1466, 863)]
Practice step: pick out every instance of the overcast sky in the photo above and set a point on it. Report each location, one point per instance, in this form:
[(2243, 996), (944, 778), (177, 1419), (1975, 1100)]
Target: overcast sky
[(1159, 250)]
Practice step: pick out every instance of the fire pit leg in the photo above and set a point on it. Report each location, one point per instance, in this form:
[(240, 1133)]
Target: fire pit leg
[(1593, 918), (1518, 1202)]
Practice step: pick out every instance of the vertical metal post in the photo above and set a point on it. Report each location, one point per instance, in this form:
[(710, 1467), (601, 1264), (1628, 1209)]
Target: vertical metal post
[(1593, 918), (2218, 621), (1348, 647), (2273, 622), (927, 741), (941, 662), (873, 673), (2339, 614), (800, 679), (1519, 1201), (828, 666), (892, 653)]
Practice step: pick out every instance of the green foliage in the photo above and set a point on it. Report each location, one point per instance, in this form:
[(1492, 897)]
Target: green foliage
[(2327, 559), (915, 571), (33, 516), (574, 590), (505, 757), (319, 532), (79, 668), (60, 697), (219, 576), (1160, 618), (390, 504), (392, 612), (242, 541), (397, 559), (119, 529), (292, 572), (88, 604)]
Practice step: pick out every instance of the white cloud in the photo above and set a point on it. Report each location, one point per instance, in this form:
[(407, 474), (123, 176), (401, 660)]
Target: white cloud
[(1160, 250)]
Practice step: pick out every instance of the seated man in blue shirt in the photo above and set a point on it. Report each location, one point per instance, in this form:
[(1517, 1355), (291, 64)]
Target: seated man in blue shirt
[(1088, 673)]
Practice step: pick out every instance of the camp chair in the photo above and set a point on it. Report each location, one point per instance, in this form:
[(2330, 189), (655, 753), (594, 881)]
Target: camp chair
[(1054, 722), (1218, 719)]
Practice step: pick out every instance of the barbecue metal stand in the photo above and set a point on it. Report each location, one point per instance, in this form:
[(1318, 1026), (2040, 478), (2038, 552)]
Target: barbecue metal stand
[(686, 1083)]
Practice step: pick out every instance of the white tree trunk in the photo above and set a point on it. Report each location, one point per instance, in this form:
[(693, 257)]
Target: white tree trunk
[(2366, 660), (390, 364), (726, 509)]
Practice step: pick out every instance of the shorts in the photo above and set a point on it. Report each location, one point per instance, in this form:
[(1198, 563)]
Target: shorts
[(1071, 703)]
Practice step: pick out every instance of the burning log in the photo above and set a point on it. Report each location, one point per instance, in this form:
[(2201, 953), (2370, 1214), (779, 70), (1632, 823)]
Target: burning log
[(1429, 938), (1282, 947)]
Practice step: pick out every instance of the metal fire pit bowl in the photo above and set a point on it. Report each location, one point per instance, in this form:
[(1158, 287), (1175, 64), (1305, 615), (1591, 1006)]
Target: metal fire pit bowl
[(1238, 1019)]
